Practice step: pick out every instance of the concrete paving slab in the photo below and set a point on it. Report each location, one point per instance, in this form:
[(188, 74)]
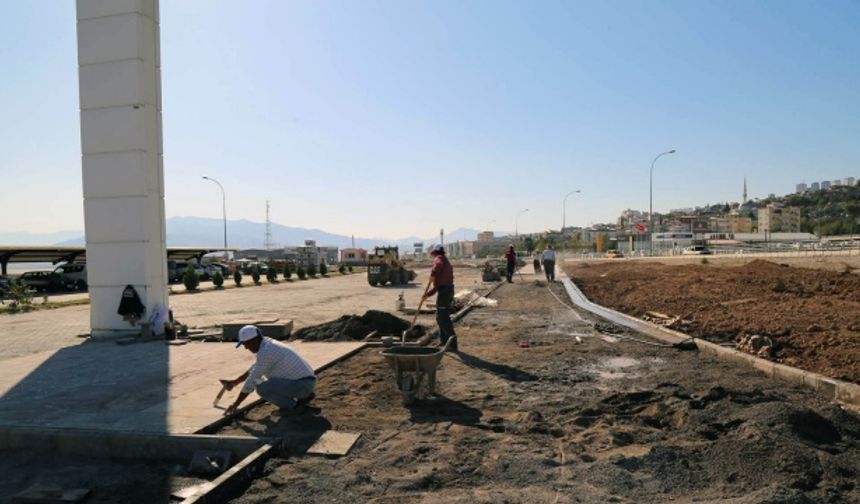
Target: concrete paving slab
[(334, 443), (147, 387)]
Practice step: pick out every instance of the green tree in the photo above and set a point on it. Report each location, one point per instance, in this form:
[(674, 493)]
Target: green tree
[(255, 274), (341, 269), (20, 296), (272, 274), (237, 277), (190, 279), (302, 274), (218, 280), (529, 244), (349, 268), (288, 273), (323, 269), (312, 270)]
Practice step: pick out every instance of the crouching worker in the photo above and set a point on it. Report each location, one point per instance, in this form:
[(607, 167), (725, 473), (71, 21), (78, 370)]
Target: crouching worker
[(280, 375)]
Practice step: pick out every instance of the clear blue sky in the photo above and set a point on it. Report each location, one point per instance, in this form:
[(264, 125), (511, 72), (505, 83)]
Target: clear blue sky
[(398, 118)]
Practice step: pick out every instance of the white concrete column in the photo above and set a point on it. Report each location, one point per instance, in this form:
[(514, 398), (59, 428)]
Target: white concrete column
[(120, 94)]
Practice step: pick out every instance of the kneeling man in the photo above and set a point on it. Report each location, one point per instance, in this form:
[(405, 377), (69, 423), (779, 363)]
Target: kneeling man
[(280, 375)]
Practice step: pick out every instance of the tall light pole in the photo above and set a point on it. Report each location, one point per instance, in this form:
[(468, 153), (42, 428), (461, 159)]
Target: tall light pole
[(517, 224), (223, 211), (651, 202), (564, 210)]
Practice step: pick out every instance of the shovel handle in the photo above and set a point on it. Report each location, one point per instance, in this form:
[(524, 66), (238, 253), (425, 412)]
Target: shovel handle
[(421, 303)]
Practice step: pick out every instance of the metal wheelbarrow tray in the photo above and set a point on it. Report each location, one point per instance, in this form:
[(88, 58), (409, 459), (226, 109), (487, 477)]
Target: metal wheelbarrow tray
[(411, 366)]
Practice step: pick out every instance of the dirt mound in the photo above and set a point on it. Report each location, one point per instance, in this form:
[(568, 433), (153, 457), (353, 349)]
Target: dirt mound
[(810, 317), (354, 327)]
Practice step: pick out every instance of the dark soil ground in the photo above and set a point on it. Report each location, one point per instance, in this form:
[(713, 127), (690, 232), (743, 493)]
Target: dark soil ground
[(526, 414), (356, 328), (813, 314)]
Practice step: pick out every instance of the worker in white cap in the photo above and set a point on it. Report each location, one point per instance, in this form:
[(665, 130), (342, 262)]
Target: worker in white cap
[(280, 375)]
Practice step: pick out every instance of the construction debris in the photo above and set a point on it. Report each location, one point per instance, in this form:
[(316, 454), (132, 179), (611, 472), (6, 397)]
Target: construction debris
[(469, 297), (665, 320), (763, 346), (210, 462)]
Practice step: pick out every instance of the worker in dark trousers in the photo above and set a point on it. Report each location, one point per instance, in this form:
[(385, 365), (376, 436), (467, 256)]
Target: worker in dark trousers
[(442, 278), (511, 258)]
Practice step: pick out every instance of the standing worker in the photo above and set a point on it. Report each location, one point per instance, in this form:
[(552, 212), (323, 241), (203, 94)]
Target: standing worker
[(442, 278), (280, 375), (549, 264), (511, 258)]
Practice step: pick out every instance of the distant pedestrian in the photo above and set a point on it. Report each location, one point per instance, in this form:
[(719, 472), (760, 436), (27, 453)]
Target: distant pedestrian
[(280, 375), (442, 278), (549, 263), (511, 258)]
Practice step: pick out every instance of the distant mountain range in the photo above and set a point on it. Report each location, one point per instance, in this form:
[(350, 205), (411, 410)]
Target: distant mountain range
[(243, 234)]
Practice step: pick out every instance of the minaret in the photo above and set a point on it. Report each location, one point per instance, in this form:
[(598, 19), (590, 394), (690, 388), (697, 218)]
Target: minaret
[(745, 191)]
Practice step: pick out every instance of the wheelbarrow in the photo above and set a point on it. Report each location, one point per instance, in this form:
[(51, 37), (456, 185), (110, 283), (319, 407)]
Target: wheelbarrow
[(415, 369)]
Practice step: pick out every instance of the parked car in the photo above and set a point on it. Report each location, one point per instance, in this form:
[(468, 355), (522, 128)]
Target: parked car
[(72, 276), (175, 270), (248, 268), (41, 281), (697, 250), (614, 254)]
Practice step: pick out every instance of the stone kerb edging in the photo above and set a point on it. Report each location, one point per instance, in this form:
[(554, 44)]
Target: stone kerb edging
[(829, 388)]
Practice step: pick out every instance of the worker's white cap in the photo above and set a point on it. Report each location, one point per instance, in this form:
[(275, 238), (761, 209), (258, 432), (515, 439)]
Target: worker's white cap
[(248, 333)]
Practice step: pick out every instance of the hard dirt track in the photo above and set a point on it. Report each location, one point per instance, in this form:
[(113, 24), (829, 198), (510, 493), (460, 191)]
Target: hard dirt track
[(555, 421)]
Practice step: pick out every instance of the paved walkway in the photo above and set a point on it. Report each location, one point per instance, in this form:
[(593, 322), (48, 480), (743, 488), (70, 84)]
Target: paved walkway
[(306, 302), (147, 387)]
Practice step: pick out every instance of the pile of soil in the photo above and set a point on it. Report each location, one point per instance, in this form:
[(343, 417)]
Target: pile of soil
[(355, 328), (560, 421), (812, 315)]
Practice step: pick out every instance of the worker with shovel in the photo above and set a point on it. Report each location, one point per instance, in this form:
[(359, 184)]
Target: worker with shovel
[(442, 278), (280, 375), (511, 258)]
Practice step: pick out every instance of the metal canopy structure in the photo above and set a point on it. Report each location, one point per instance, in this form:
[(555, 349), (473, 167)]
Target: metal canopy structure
[(78, 255)]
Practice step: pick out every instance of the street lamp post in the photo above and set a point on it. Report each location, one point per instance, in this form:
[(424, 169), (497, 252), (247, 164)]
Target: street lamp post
[(517, 224), (564, 210), (651, 202), (223, 211)]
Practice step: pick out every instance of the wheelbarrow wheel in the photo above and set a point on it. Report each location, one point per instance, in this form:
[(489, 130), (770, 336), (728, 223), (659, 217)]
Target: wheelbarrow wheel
[(407, 389)]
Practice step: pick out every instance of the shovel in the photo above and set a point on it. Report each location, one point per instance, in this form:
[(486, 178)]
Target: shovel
[(418, 311), (225, 386)]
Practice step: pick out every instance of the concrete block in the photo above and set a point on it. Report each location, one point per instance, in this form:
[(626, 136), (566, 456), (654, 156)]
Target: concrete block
[(848, 393), (334, 443), (100, 8), (280, 331), (117, 174), (827, 386), (115, 38), (116, 129), (115, 264), (119, 219), (764, 366), (789, 374), (117, 83)]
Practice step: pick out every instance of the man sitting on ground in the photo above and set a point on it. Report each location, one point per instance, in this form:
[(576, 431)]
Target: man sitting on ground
[(280, 375)]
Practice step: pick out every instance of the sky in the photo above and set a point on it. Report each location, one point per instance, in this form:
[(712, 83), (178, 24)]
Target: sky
[(397, 118)]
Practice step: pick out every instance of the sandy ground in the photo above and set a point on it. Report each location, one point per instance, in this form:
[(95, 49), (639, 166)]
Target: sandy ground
[(813, 315), (525, 413)]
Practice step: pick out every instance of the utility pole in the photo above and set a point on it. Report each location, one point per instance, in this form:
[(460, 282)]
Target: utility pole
[(267, 237)]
